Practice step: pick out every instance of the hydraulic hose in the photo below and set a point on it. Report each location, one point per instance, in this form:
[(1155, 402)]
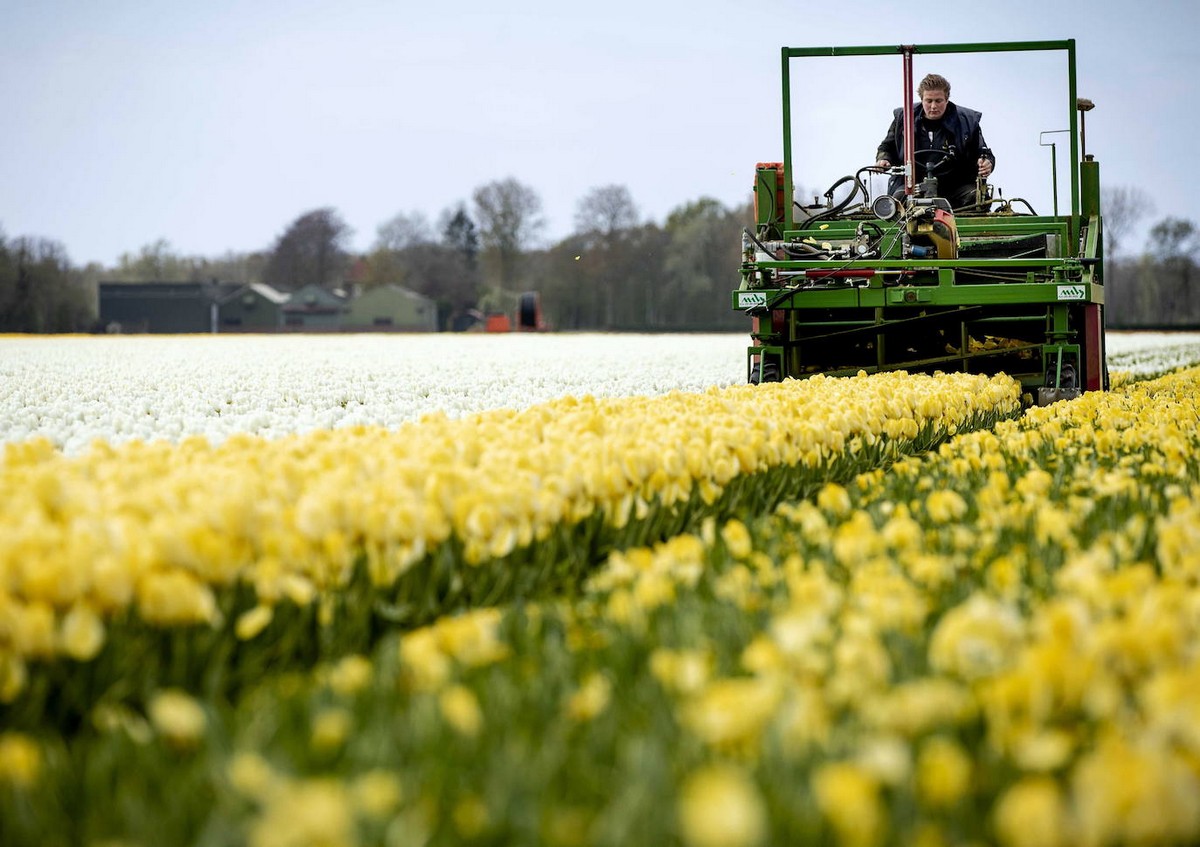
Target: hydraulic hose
[(840, 207)]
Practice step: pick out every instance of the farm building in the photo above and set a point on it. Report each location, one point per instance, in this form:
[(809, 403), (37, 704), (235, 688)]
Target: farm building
[(256, 307), (161, 307), (314, 309), (185, 307), (391, 308)]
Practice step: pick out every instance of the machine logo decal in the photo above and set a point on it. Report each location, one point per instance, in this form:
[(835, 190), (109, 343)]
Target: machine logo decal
[(752, 299), (1071, 292)]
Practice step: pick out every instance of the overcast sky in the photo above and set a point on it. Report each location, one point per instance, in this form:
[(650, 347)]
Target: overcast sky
[(214, 125)]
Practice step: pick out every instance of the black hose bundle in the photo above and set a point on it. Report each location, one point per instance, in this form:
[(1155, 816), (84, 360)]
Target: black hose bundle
[(840, 207)]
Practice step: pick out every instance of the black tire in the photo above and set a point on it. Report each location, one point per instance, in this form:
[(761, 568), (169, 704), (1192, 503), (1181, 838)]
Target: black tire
[(765, 372), (1067, 378), (528, 308)]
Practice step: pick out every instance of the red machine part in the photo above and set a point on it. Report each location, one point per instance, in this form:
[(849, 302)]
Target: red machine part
[(778, 321), (1093, 345), (910, 178), (838, 273)]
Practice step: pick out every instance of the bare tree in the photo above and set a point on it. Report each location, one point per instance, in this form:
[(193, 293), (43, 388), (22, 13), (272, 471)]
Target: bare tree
[(604, 219), (606, 210), (510, 219), (160, 262), (232, 266), (311, 250), (1175, 240), (155, 262), (408, 252), (1123, 207), (404, 231), (1168, 272), (388, 262)]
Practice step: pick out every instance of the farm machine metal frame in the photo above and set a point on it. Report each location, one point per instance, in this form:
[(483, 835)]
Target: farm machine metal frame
[(912, 284)]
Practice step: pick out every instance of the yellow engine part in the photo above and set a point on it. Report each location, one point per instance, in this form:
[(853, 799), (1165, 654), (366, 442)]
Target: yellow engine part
[(939, 231)]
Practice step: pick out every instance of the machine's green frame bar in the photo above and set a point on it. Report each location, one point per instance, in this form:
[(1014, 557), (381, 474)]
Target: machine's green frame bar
[(789, 53)]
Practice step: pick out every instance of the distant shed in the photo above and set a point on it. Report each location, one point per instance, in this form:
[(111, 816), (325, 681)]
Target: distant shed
[(256, 307), (391, 308), (161, 307), (314, 309)]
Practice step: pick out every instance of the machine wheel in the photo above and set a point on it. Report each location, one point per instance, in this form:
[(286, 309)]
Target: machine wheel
[(1068, 388), (765, 372), (529, 311), (1067, 379)]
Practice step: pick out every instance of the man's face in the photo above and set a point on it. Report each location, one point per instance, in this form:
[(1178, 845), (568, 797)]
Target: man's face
[(933, 101)]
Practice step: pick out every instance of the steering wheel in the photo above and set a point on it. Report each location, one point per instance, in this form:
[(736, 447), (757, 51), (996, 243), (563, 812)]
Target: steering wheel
[(931, 166)]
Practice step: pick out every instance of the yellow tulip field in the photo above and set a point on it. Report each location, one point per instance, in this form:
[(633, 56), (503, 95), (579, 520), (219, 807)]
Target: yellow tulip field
[(886, 610)]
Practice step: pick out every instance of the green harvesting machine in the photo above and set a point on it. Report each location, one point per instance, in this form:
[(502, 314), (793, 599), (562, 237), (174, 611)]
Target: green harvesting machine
[(908, 283)]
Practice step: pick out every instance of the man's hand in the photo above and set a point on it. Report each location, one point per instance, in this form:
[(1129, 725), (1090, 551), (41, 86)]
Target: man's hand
[(985, 167), (883, 163)]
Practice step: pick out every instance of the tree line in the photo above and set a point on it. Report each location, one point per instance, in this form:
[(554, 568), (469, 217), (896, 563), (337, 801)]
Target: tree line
[(40, 291), (615, 271), (1158, 288)]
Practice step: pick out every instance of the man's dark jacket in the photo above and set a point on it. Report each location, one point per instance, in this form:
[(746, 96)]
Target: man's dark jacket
[(957, 131)]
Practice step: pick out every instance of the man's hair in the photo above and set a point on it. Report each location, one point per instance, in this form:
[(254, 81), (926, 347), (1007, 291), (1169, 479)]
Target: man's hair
[(934, 82)]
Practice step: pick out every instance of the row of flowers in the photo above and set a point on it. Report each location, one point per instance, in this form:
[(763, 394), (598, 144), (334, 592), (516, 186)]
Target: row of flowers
[(73, 390), (1149, 354), (357, 529), (994, 643)]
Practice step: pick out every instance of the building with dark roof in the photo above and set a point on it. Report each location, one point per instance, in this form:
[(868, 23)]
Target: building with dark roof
[(256, 307), (161, 307), (314, 309)]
